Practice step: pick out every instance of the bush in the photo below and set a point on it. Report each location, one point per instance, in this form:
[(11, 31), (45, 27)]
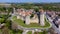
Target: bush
[(8, 23), (1, 20), (17, 31), (32, 16), (5, 30)]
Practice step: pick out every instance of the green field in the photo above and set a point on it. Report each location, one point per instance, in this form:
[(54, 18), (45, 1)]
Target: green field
[(40, 32), (15, 32), (29, 32), (43, 32)]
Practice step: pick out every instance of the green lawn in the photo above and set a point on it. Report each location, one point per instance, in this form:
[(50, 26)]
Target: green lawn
[(0, 31), (29, 32), (34, 25), (44, 32), (39, 33), (15, 32)]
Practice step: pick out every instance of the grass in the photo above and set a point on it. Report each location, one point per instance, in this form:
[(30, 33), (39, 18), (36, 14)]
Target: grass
[(39, 33), (29, 32), (15, 32), (32, 25), (44, 32), (0, 31)]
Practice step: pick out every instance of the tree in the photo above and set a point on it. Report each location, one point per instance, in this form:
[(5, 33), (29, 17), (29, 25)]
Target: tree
[(32, 15), (5, 30), (2, 9), (9, 9), (1, 20), (44, 32), (36, 9), (8, 23), (14, 26)]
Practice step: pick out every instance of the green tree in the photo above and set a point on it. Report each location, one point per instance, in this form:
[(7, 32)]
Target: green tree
[(1, 20), (32, 15), (8, 23), (9, 9), (36, 9), (2, 9), (5, 30)]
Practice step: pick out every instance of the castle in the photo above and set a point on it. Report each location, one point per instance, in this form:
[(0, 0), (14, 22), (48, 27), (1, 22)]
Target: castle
[(24, 15)]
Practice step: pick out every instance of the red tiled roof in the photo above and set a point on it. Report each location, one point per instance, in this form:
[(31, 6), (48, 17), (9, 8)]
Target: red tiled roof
[(24, 12)]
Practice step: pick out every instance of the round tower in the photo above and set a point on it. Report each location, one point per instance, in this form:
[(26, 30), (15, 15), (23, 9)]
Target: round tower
[(42, 17)]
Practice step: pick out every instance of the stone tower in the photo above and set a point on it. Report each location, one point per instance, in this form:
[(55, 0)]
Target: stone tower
[(14, 10), (42, 17), (27, 20)]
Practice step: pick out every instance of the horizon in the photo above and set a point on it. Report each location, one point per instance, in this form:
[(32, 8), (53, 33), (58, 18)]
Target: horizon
[(29, 1)]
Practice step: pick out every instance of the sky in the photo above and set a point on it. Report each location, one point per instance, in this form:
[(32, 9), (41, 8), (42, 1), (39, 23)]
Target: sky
[(30, 1)]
